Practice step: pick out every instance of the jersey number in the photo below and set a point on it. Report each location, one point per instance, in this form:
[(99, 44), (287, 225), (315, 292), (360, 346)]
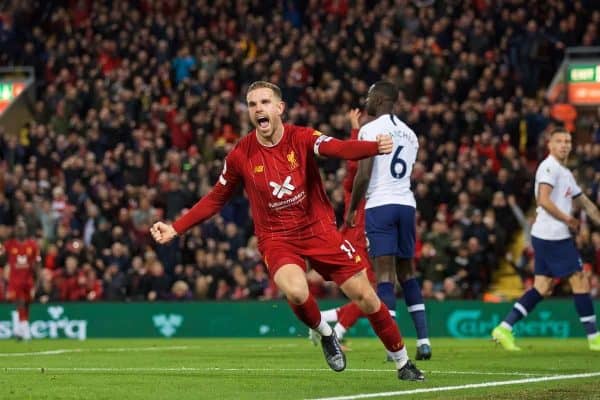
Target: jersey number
[(398, 165), (348, 249)]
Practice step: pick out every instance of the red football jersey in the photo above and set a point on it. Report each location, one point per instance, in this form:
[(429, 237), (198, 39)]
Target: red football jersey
[(283, 184), (22, 256), (351, 168)]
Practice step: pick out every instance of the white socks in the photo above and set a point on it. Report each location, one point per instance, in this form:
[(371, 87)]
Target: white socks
[(340, 331), (323, 328), (329, 315), (423, 341), (400, 357)]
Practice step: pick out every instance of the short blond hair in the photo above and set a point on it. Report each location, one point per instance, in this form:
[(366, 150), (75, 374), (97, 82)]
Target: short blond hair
[(265, 85)]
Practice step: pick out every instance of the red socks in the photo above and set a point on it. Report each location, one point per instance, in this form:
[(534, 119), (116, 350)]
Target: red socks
[(386, 328), (349, 314), (307, 312)]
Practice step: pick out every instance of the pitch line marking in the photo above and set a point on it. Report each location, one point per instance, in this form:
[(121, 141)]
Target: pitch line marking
[(101, 350), (218, 369), (461, 387), (117, 349)]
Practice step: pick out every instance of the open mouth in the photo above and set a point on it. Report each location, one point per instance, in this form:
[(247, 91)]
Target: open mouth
[(263, 122)]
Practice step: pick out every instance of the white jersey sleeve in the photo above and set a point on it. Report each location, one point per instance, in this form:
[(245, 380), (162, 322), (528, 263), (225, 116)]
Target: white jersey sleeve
[(564, 189), (547, 173)]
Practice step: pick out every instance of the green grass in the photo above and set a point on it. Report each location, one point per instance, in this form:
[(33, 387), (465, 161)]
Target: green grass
[(285, 369)]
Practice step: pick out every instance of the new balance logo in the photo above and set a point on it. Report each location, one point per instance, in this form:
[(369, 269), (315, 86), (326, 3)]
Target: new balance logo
[(285, 188)]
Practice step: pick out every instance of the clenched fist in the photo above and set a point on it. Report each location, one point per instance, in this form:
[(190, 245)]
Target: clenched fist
[(384, 144), (163, 233)]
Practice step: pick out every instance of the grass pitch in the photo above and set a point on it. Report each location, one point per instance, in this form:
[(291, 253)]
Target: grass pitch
[(291, 369)]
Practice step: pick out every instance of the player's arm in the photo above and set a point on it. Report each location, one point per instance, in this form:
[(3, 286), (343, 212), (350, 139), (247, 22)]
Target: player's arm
[(352, 149), (205, 208), (354, 117), (359, 188), (590, 208), (544, 201)]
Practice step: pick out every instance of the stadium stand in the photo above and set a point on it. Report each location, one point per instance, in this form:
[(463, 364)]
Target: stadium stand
[(138, 102)]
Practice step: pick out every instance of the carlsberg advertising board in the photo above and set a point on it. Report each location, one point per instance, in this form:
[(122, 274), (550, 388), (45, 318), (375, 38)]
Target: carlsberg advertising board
[(459, 319)]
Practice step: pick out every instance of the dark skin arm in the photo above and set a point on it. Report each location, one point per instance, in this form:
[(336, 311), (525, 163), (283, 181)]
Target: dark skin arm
[(359, 189)]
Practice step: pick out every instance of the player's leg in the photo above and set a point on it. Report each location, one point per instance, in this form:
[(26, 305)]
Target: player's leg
[(542, 286), (346, 317), (27, 296), (350, 313), (23, 311), (359, 289), (406, 277), (11, 296), (291, 280), (585, 308), (382, 232), (415, 306), (386, 278), (545, 254)]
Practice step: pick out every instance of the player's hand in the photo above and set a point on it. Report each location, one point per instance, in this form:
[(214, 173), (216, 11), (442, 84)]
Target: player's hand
[(350, 220), (573, 224), (163, 233), (354, 117), (384, 144)]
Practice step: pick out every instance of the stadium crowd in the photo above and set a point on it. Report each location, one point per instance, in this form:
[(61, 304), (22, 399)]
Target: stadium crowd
[(139, 101)]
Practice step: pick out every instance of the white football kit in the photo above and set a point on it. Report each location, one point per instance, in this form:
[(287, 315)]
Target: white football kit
[(390, 178), (564, 189)]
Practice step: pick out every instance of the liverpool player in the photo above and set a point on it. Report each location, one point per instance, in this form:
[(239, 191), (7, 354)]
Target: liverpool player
[(23, 259), (346, 316), (294, 220)]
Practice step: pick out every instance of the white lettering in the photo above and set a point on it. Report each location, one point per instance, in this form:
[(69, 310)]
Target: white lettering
[(5, 329), (38, 329), (76, 329), (53, 328), (278, 205)]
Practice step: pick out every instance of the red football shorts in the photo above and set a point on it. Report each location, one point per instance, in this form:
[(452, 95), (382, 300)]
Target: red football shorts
[(356, 236), (19, 291), (330, 254)]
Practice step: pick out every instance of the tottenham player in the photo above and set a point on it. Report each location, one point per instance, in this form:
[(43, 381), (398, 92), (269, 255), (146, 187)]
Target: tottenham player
[(390, 208), (551, 236)]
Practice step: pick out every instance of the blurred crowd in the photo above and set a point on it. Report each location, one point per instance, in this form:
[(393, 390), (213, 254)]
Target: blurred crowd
[(139, 101)]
